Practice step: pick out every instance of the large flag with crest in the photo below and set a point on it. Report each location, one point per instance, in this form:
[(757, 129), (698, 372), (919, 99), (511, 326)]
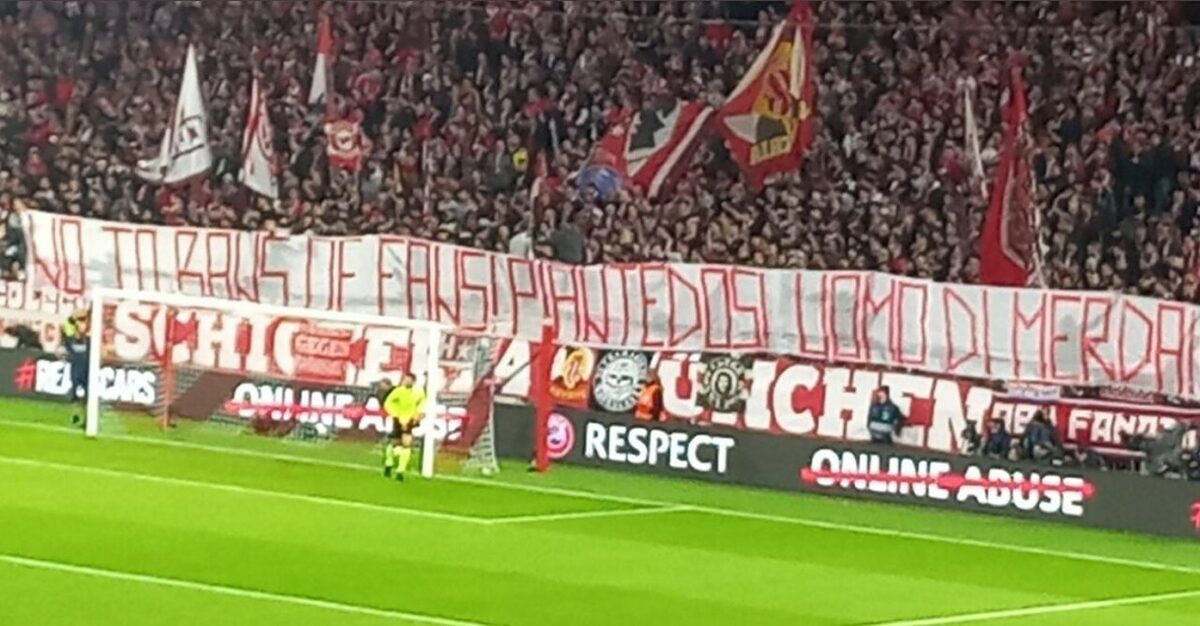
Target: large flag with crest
[(768, 120), (184, 151)]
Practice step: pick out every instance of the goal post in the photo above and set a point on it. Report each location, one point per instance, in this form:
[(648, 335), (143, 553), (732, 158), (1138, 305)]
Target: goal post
[(214, 370)]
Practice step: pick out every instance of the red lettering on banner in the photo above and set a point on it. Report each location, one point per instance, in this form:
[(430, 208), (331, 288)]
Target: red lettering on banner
[(674, 278), (183, 262), (757, 309), (901, 356), (342, 275), (311, 271), (61, 274), (648, 305), (594, 332), (494, 265), (559, 297), (1090, 353), (802, 349), (152, 235), (1020, 320), (952, 363), (1189, 372), (519, 295), (835, 331), (382, 276), (255, 240), (264, 272), (625, 269), (117, 246), (1128, 374), (871, 310), (483, 290), (987, 334), (1163, 351), (308, 272), (1057, 337), (441, 306), (724, 298), (215, 272), (414, 278)]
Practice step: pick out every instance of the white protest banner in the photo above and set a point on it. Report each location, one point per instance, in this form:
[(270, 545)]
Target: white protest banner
[(1053, 337)]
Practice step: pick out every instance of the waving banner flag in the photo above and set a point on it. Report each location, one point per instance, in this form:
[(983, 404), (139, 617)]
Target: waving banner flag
[(768, 120), (320, 82), (1007, 252), (258, 150), (647, 148), (971, 134), (346, 144), (184, 151)]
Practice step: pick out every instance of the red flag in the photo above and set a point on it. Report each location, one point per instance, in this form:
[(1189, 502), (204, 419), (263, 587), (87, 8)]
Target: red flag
[(768, 120), (1007, 252)]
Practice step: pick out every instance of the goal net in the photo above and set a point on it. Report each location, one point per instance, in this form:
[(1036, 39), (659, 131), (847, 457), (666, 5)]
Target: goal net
[(213, 372)]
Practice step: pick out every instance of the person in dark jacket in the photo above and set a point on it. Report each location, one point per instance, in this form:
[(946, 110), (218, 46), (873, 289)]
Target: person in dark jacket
[(1039, 442), (884, 419), (997, 439)]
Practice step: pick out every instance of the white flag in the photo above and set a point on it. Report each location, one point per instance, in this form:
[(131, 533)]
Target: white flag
[(258, 148), (320, 81), (184, 151), (971, 132)]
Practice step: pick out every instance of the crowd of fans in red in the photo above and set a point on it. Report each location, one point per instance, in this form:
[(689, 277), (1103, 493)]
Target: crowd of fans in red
[(469, 92)]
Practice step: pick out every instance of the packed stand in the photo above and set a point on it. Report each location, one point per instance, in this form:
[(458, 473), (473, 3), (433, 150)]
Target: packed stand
[(469, 92)]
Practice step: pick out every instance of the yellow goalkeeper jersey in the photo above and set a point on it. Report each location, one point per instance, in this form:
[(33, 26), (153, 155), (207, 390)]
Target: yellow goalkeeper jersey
[(404, 404)]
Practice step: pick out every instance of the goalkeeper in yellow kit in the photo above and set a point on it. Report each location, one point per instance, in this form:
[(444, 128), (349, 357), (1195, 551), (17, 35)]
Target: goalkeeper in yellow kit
[(404, 404)]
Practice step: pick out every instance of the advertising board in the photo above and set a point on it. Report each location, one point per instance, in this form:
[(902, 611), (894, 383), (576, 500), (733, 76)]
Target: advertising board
[(1111, 500)]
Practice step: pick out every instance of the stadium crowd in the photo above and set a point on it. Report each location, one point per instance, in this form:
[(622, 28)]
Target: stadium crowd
[(468, 93)]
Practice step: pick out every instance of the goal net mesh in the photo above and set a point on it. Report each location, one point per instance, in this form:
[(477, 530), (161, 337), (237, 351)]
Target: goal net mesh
[(220, 373)]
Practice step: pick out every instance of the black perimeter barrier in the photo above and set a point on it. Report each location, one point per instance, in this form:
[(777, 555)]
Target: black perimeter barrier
[(1103, 499)]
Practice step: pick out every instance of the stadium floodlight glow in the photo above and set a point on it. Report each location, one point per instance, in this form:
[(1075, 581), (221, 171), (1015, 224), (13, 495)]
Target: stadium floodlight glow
[(210, 364)]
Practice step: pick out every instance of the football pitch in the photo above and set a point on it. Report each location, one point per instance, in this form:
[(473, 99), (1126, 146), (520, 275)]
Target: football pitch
[(142, 528)]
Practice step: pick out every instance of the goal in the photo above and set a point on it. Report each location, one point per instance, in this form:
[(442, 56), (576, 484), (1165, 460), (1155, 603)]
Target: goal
[(215, 372)]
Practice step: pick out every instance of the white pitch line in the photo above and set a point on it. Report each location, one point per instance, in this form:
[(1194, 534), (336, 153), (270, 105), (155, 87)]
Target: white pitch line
[(1045, 609), (766, 517), (238, 489), (236, 592), (559, 517)]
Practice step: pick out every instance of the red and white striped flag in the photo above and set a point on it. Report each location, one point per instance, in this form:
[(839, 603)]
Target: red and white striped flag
[(319, 91), (258, 150)]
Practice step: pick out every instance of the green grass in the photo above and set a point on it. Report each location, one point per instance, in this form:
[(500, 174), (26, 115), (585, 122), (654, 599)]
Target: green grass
[(207, 516)]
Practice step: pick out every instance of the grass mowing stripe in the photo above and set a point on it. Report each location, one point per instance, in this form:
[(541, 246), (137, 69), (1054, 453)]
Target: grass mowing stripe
[(233, 591), (559, 517), (800, 521), (1046, 609), (238, 489), (960, 541)]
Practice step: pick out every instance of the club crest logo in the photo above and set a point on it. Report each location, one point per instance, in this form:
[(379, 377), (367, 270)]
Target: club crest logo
[(618, 380)]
